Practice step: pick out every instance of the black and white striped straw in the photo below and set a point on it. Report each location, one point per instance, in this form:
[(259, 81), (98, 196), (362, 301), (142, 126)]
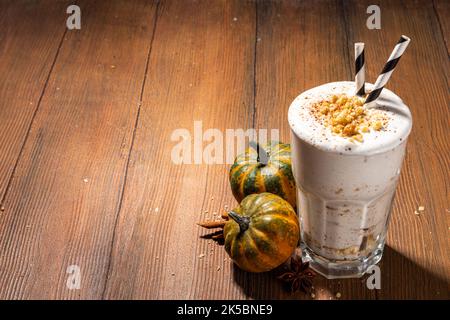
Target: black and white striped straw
[(360, 69), (387, 70)]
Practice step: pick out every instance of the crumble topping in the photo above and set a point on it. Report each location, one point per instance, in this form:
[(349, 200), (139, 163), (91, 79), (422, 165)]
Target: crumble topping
[(347, 117)]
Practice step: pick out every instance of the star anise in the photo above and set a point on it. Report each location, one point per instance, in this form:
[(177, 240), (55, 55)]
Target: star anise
[(299, 276)]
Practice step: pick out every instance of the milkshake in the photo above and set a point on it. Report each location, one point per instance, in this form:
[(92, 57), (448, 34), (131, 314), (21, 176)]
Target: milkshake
[(346, 161)]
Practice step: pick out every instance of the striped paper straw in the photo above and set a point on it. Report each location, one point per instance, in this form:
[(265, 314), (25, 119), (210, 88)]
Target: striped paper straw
[(360, 72), (387, 70)]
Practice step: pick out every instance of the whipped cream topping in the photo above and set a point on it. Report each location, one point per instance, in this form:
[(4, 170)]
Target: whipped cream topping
[(312, 131)]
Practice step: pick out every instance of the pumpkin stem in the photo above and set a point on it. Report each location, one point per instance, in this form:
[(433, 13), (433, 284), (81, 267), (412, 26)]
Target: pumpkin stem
[(242, 221), (262, 157)]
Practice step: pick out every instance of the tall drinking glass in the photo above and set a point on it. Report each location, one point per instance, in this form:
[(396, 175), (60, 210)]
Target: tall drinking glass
[(345, 188)]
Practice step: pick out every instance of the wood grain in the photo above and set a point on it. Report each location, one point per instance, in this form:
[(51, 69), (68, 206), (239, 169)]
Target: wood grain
[(30, 35), (300, 45), (95, 183), (201, 69), (416, 262), (442, 11), (64, 198)]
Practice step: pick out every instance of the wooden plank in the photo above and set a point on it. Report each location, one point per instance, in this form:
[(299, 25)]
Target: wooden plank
[(416, 260), (30, 35), (66, 195), (300, 45), (64, 199), (201, 69), (442, 10)]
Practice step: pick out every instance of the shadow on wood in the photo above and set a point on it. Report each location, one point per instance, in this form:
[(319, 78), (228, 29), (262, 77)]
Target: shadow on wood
[(402, 278), (260, 286)]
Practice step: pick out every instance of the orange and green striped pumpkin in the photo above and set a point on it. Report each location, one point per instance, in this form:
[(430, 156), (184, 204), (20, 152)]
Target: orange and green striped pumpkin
[(261, 233), (265, 168)]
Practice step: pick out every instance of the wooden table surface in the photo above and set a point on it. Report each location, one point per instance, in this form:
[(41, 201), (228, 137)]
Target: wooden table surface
[(86, 118)]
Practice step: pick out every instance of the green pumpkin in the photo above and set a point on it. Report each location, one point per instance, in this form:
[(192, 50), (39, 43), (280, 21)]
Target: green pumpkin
[(265, 168), (261, 233)]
